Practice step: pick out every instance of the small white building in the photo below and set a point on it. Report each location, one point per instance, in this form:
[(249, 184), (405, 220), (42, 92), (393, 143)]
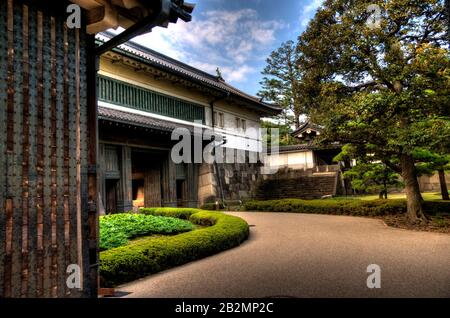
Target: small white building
[(306, 155)]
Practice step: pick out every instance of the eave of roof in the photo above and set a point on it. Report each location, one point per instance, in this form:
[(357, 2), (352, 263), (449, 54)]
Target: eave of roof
[(305, 126), (106, 14), (122, 117), (172, 66), (305, 147)]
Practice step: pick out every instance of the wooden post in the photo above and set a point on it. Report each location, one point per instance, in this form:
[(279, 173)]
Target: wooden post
[(152, 187), (192, 185), (101, 174), (93, 177), (169, 182), (125, 202)]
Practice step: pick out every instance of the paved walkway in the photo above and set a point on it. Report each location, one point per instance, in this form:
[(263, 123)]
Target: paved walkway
[(304, 255)]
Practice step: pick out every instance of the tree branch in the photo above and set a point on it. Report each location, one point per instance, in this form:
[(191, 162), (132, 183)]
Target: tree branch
[(393, 166)]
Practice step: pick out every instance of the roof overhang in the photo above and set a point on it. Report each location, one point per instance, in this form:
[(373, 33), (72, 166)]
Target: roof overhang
[(150, 59), (308, 128), (106, 14), (306, 147)]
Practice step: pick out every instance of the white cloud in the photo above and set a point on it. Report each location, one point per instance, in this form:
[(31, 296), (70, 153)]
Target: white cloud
[(238, 73), (218, 38), (204, 66), (309, 11)]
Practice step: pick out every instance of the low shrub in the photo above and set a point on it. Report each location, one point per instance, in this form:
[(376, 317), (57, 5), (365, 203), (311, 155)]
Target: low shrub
[(343, 206), (437, 207), (212, 206), (231, 205), (184, 213), (116, 229), (150, 255)]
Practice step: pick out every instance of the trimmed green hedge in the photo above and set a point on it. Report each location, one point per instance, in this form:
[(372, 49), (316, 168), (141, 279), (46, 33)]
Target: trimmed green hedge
[(343, 206), (150, 255), (212, 206)]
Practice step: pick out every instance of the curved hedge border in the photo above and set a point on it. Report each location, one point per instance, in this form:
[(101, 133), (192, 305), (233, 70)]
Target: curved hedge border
[(150, 255), (343, 206)]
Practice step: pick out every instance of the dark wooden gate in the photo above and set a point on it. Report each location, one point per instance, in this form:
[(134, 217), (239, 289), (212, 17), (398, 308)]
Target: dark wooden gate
[(47, 152), (152, 187)]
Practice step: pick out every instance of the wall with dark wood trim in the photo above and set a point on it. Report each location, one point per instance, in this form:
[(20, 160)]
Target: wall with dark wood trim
[(47, 165), (160, 174)]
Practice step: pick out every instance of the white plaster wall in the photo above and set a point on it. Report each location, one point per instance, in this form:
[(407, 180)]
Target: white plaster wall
[(294, 160), (238, 139)]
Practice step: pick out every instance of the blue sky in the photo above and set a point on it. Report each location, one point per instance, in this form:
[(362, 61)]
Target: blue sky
[(234, 35)]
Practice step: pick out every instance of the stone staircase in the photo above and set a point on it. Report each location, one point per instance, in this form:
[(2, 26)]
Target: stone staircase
[(312, 186)]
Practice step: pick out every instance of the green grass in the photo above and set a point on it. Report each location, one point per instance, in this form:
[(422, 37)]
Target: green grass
[(216, 232), (117, 229)]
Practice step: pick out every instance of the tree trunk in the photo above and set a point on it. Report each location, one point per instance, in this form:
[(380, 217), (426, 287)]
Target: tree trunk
[(414, 198), (382, 194), (444, 190)]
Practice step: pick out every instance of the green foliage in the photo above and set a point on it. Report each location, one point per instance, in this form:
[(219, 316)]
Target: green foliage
[(231, 205), (343, 206), (284, 131), (372, 177), (430, 161), (366, 175), (150, 255), (338, 207), (383, 89), (212, 206), (280, 83), (116, 229), (178, 213)]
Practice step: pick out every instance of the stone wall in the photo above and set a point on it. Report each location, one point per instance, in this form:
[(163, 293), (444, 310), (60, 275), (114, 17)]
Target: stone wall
[(239, 180), (233, 181), (206, 184), (304, 184), (431, 183)]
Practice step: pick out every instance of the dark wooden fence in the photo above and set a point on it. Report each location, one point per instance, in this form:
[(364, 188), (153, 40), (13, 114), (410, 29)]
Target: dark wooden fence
[(47, 152)]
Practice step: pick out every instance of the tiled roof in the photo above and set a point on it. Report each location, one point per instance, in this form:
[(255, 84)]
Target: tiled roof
[(123, 117), (306, 146), (288, 148), (305, 126), (166, 63)]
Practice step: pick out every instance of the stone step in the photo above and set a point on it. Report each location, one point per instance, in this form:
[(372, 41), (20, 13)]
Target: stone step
[(300, 187)]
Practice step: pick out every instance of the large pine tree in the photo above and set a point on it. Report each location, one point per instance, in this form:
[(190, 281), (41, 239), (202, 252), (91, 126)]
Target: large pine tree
[(280, 82), (383, 86)]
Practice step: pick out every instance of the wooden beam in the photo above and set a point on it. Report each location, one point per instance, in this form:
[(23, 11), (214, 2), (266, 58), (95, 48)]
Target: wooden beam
[(169, 182), (125, 192), (138, 28), (40, 163), (80, 248), (93, 173)]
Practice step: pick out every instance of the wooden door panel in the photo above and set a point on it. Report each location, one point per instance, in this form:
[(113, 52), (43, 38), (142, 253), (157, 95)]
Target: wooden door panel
[(152, 187)]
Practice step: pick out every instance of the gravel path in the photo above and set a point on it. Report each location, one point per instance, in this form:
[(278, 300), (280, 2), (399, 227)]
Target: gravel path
[(306, 255)]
